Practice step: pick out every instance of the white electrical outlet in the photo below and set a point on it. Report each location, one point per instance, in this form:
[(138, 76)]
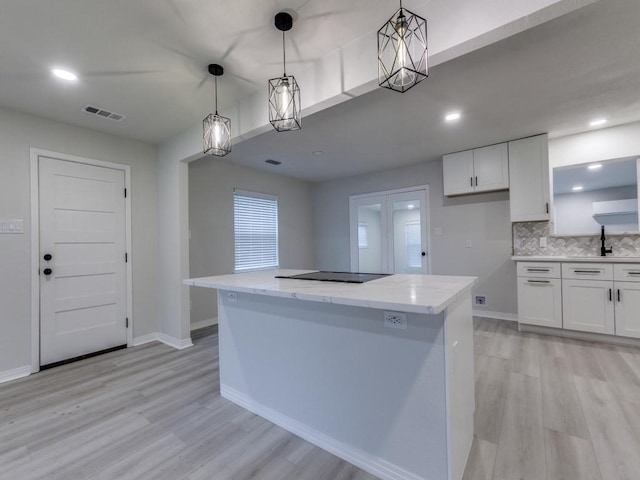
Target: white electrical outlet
[(395, 320), (543, 242), (469, 244), (232, 297), (11, 226)]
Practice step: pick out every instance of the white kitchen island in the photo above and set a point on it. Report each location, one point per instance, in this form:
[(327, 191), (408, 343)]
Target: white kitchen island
[(316, 358)]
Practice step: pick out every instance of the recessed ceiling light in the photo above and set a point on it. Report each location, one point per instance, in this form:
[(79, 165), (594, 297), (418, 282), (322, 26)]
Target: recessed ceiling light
[(318, 153), (64, 74), (599, 121), (595, 166), (577, 188), (452, 117)]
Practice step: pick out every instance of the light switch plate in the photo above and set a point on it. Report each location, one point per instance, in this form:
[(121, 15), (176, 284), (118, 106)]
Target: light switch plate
[(11, 226)]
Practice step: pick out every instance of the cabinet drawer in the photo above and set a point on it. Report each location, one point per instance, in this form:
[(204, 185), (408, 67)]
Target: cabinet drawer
[(539, 269), (587, 271), (626, 272)]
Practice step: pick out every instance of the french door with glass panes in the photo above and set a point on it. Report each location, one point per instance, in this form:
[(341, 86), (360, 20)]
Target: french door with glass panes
[(388, 232)]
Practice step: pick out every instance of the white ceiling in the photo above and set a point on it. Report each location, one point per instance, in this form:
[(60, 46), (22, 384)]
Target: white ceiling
[(147, 60), (611, 174)]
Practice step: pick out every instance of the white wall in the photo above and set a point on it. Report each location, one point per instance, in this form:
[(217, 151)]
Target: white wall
[(573, 212), (211, 184), (483, 219), (18, 133)]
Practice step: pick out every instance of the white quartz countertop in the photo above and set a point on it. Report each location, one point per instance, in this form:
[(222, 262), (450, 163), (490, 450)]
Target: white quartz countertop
[(577, 259), (425, 294)]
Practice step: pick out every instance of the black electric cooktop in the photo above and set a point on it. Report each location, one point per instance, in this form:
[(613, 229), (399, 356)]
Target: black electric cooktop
[(345, 277)]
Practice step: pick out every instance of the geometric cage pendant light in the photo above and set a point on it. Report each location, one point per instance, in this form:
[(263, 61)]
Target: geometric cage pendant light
[(402, 51), (216, 129), (284, 93)]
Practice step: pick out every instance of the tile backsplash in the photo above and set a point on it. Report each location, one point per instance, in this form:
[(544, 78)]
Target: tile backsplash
[(526, 242)]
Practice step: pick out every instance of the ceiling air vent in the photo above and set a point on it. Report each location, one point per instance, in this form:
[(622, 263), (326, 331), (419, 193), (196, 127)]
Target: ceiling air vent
[(102, 113)]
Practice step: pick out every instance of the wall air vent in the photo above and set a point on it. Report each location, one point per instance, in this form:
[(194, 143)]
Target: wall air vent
[(272, 162), (102, 113)]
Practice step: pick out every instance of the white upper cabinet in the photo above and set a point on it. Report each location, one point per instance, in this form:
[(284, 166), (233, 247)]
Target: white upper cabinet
[(491, 168), (457, 171), (529, 179), (480, 170)]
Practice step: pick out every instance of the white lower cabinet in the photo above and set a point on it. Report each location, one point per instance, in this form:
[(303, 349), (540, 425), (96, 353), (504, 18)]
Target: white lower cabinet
[(539, 294), (588, 297), (587, 305), (627, 296)]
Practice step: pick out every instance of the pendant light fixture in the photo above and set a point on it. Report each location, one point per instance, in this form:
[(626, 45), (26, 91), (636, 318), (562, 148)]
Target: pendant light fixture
[(284, 93), (402, 51), (216, 129)]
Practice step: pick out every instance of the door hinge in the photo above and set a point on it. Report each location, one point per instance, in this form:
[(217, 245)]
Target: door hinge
[(127, 323), (126, 257), (125, 193)]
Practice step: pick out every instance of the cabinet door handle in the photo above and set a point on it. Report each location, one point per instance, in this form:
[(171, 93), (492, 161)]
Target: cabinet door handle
[(538, 281), (476, 181), (471, 180), (547, 208), (611, 294), (618, 295)]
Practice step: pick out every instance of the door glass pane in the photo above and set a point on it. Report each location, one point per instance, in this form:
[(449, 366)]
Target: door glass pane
[(369, 238), (407, 237)]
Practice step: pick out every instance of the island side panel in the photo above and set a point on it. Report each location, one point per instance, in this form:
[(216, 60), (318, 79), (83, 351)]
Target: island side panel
[(336, 376), (460, 382)]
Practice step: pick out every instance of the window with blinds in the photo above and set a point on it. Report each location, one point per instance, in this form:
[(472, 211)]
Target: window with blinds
[(255, 222)]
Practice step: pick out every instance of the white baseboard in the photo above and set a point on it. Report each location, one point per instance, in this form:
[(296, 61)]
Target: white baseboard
[(15, 374), (176, 343), (593, 337), (370, 463), (141, 340), (204, 323), (511, 317)]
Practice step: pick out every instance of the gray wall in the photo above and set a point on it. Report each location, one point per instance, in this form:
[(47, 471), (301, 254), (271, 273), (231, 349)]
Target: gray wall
[(211, 249), (18, 133), (482, 218)]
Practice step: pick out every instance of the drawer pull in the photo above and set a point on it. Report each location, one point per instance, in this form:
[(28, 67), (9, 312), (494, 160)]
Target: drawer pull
[(595, 272), (633, 273), (544, 270), (538, 281)]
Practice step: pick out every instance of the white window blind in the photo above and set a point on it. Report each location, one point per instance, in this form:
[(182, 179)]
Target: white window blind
[(363, 237), (413, 244), (255, 230)]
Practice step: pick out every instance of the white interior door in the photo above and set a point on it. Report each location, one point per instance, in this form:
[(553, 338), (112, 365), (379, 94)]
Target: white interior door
[(389, 232), (408, 218), (369, 242), (82, 259)]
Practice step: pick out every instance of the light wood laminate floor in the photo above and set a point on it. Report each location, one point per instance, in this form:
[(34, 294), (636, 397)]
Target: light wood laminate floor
[(547, 408)]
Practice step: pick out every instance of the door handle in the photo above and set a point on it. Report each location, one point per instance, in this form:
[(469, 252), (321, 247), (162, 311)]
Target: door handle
[(47, 257), (47, 271), (424, 253)]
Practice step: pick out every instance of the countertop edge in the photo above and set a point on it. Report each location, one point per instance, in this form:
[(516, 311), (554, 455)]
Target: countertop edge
[(209, 282), (538, 258)]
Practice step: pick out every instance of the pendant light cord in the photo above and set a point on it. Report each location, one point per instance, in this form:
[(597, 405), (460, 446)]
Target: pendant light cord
[(284, 57), (216, 92)]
